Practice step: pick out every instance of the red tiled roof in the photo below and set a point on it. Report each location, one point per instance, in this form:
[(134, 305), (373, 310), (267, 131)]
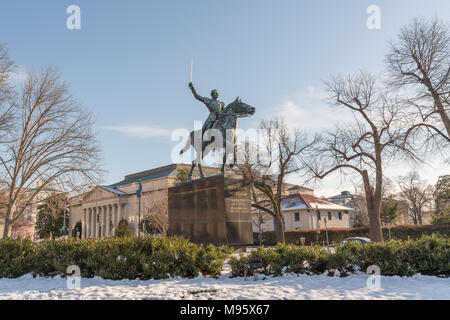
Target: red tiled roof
[(308, 199), (300, 201)]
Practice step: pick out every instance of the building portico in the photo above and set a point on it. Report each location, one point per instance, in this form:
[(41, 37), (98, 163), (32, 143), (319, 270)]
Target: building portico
[(101, 211)]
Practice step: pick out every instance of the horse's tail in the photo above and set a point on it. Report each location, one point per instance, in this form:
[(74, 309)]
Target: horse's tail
[(188, 143)]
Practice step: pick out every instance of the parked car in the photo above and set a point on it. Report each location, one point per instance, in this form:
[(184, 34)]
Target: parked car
[(361, 240)]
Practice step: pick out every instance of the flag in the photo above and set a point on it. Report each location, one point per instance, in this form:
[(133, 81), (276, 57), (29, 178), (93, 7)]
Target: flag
[(139, 190)]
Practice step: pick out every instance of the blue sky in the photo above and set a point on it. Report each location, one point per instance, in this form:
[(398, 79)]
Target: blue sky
[(129, 63)]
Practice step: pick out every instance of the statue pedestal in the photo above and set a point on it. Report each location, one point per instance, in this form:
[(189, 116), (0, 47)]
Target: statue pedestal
[(214, 210)]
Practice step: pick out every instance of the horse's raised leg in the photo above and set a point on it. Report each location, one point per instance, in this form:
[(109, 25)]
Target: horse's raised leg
[(190, 171)]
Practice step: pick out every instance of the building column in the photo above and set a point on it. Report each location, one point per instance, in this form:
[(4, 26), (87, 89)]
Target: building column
[(103, 217), (91, 225), (86, 223), (86, 226), (113, 219), (101, 229), (120, 214), (108, 221), (98, 221), (91, 222), (104, 220), (83, 225), (108, 226), (94, 222)]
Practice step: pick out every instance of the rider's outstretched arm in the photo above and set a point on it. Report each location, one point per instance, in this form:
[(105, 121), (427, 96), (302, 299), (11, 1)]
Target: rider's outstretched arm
[(194, 92)]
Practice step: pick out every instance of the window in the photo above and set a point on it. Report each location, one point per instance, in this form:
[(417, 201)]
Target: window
[(318, 215), (297, 216), (340, 215), (329, 215)]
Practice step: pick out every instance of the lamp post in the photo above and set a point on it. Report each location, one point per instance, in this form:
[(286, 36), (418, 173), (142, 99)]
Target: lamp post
[(139, 194), (318, 225)]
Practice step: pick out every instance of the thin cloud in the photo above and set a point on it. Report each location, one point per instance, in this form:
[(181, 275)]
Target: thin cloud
[(19, 75), (309, 110), (139, 131)]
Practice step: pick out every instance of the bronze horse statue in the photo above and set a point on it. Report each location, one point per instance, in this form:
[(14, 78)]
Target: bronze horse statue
[(226, 121)]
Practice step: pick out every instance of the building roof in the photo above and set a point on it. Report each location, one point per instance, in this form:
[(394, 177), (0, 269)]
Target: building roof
[(146, 175), (343, 195), (155, 173), (306, 201), (113, 190), (299, 188)]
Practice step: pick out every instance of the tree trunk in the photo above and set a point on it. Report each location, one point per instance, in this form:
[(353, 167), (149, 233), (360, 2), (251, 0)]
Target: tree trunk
[(419, 217), (373, 202), (375, 232), (279, 230), (7, 228), (441, 110)]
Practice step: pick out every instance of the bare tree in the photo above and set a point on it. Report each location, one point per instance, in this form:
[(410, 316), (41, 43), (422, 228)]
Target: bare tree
[(278, 158), (418, 196), (52, 142), (365, 144), (6, 107), (420, 61), (156, 217)]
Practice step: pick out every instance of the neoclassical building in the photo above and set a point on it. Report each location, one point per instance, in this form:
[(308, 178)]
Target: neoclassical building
[(97, 212)]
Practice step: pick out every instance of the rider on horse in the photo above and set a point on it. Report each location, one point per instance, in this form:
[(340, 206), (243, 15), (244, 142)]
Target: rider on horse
[(214, 106)]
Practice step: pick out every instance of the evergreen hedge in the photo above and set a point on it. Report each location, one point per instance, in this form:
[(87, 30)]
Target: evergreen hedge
[(403, 232), (429, 255), (112, 258), (159, 258)]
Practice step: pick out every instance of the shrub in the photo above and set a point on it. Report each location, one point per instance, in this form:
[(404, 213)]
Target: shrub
[(441, 219), (403, 232), (111, 258), (123, 230), (429, 255), (16, 257)]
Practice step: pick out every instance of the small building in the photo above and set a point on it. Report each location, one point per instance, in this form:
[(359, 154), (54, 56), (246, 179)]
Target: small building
[(302, 210), (358, 217)]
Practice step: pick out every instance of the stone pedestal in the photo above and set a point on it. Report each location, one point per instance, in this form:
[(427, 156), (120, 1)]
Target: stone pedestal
[(214, 210)]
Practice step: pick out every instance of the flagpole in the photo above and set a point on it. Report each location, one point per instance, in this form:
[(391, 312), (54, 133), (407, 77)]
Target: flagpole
[(139, 194), (139, 219)]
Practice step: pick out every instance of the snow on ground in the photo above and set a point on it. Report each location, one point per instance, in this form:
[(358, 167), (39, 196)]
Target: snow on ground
[(286, 287)]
